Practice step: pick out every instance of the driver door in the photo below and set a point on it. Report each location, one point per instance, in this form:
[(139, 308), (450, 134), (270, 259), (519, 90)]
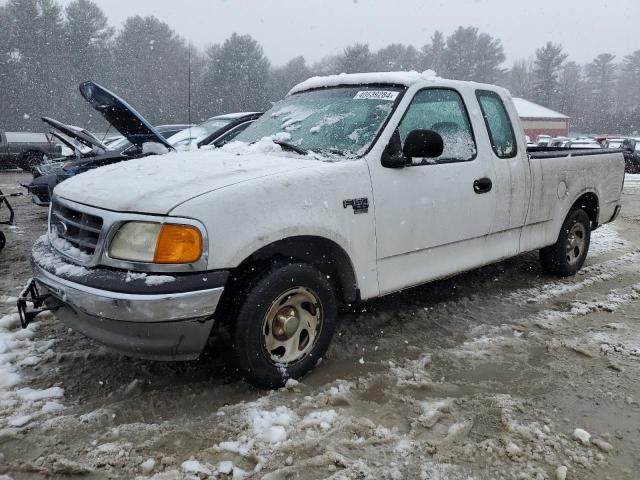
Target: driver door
[(432, 220)]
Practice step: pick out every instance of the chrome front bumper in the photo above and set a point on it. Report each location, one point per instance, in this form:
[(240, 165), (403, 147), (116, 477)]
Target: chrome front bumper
[(161, 326), (128, 307)]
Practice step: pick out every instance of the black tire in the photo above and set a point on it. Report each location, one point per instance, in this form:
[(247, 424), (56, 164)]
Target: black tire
[(251, 329), (3, 241), (565, 257), (30, 160)]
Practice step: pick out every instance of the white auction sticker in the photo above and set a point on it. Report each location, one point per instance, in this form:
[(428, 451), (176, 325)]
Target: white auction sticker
[(376, 95)]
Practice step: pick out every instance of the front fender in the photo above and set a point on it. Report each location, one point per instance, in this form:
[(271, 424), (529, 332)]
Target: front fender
[(243, 218)]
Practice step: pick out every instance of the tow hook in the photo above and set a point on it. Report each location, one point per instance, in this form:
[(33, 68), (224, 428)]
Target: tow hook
[(31, 294)]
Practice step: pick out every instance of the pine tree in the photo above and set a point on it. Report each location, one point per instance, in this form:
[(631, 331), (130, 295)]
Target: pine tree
[(548, 61), (235, 77)]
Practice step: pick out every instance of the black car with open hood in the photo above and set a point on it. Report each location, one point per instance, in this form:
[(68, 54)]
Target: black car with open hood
[(122, 116)]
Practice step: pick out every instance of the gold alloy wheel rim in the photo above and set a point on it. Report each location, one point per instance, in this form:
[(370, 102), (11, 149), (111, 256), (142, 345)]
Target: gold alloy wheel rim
[(291, 326), (576, 242)]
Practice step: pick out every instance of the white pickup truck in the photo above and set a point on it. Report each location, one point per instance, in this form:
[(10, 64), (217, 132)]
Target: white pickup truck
[(352, 187)]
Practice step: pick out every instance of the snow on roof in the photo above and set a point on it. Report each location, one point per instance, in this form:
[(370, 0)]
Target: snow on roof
[(527, 109), (396, 78)]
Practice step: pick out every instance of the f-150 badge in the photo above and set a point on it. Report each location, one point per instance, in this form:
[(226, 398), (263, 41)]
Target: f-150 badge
[(360, 205)]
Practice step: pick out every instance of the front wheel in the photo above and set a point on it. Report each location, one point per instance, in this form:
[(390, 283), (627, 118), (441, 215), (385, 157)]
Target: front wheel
[(284, 324), (567, 255)]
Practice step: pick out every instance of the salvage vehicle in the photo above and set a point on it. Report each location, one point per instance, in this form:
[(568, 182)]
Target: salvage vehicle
[(352, 187), (25, 150), (47, 175), (216, 131), (582, 143)]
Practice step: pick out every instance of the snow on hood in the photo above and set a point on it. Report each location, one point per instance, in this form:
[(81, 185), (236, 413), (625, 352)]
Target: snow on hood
[(395, 78), (156, 184)]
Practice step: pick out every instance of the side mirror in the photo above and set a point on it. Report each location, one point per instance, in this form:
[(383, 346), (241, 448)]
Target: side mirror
[(392, 157), (423, 144)]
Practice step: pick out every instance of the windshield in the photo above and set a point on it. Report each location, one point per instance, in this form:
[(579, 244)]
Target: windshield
[(341, 120), (195, 134)]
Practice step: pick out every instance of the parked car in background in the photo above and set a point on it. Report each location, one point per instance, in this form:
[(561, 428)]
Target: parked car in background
[(543, 140), (352, 187), (582, 144), (612, 142), (558, 142), (25, 150), (631, 152), (210, 131), (215, 131), (84, 157)]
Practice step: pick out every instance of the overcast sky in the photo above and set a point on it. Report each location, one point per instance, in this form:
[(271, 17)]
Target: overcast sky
[(316, 28)]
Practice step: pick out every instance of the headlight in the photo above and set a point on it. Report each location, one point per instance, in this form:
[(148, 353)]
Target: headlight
[(151, 242), (135, 241)]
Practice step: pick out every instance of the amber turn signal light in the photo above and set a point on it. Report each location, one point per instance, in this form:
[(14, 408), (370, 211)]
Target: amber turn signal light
[(178, 244)]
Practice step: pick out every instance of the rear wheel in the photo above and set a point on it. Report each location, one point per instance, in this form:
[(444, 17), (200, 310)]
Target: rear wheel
[(284, 324), (567, 255), (3, 240)]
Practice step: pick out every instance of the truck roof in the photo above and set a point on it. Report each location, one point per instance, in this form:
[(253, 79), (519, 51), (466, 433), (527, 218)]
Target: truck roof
[(391, 78)]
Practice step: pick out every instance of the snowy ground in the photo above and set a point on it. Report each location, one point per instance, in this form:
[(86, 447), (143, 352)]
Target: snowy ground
[(498, 373)]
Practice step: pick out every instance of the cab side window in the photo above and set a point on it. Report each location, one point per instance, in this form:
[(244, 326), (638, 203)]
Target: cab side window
[(496, 118), (443, 111)]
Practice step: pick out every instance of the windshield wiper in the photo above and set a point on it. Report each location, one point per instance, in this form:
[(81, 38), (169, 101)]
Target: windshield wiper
[(291, 146)]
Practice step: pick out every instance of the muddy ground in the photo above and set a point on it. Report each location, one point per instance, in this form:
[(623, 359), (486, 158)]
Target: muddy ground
[(486, 375)]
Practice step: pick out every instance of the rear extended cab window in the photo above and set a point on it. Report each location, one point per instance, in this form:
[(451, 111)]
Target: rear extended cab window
[(496, 118)]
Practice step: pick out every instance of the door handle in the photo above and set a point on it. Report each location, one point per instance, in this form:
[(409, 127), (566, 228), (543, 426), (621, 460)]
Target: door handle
[(482, 185)]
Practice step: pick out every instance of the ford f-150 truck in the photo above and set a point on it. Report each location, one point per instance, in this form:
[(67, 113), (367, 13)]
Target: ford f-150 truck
[(352, 187)]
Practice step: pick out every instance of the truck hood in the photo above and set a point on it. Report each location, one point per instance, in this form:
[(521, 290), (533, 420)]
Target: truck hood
[(121, 115), (157, 184), (79, 134)]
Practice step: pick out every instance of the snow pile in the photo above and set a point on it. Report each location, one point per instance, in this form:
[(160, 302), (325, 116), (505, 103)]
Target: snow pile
[(271, 426), (20, 406), (413, 372), (331, 120), (322, 419), (291, 116), (264, 145), (593, 274), (605, 239), (193, 466), (394, 78), (149, 279), (62, 245), (50, 261)]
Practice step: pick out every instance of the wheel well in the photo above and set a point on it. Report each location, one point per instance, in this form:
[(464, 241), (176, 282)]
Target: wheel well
[(589, 203), (324, 254)]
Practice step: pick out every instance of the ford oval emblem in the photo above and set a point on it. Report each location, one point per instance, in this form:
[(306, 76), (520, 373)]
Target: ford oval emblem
[(60, 228)]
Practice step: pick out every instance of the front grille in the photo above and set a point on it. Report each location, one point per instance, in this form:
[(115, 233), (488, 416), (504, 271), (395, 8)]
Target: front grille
[(80, 229)]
